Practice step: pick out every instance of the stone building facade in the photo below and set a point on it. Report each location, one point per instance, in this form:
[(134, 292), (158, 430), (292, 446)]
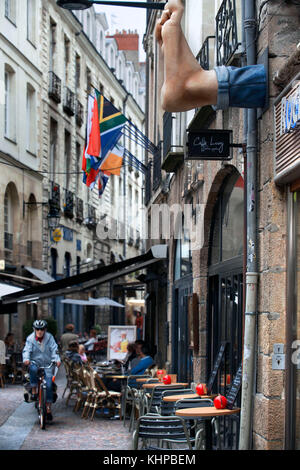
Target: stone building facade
[(205, 294)]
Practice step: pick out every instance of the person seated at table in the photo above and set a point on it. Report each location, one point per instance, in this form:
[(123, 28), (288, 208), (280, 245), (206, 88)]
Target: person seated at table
[(72, 352), (81, 352), (130, 356), (89, 345), (145, 362)]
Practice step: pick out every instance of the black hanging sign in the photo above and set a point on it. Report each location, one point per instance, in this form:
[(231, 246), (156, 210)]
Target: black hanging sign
[(209, 144), (215, 370), (235, 388)]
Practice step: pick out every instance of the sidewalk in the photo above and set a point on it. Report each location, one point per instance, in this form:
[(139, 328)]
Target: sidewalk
[(19, 429)]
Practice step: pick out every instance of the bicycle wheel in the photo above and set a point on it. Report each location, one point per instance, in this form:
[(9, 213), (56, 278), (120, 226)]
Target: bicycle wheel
[(42, 407)]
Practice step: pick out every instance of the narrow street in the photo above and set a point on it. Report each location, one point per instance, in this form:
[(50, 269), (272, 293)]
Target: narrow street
[(19, 429)]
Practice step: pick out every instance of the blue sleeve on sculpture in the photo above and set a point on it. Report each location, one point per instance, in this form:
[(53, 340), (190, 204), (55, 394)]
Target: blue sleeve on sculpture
[(241, 87)]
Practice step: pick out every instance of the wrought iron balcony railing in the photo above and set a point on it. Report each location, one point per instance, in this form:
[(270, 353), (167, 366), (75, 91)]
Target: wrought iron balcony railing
[(78, 113), (148, 191), (168, 124), (203, 55), (69, 102), (54, 91), (226, 32), (172, 154), (79, 210), (91, 220), (156, 169), (54, 201), (69, 204)]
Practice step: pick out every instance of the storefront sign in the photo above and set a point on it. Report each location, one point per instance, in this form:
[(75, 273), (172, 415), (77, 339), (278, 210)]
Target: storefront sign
[(209, 144), (287, 135), (290, 112), (56, 235)]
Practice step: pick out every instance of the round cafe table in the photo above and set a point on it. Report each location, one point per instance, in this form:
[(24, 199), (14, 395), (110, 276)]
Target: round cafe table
[(157, 384), (172, 398), (206, 412)]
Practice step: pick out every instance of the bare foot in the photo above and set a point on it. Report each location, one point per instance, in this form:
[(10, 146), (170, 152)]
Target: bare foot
[(186, 85)]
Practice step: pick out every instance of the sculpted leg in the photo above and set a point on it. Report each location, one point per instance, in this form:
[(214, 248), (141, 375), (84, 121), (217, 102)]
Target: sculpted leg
[(187, 85)]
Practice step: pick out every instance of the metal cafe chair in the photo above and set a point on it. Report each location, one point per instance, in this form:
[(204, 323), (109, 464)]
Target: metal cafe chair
[(156, 396), (198, 423), (167, 408), (127, 393), (162, 429)]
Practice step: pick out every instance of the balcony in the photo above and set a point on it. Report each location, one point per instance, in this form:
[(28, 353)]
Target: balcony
[(54, 201), (226, 32), (203, 56), (69, 204), (148, 191), (90, 221), (54, 91), (69, 102), (156, 169), (78, 113), (79, 210), (173, 155)]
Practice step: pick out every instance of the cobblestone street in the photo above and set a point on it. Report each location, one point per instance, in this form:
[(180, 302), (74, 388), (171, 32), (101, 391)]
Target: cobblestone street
[(19, 429)]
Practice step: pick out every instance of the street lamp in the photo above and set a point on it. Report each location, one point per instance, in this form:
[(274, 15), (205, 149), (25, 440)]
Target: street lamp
[(83, 4)]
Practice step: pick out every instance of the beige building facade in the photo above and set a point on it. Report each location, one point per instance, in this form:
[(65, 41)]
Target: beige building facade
[(205, 296), (51, 59)]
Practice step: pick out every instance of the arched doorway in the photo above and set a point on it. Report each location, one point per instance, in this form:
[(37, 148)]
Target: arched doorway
[(225, 290)]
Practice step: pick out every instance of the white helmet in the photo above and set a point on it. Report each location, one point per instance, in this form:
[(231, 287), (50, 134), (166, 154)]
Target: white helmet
[(39, 324)]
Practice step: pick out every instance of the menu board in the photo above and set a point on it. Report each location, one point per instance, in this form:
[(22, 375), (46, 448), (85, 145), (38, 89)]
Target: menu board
[(217, 364), (235, 388)]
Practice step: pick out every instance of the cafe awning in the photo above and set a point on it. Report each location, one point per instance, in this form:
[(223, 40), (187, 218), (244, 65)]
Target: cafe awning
[(40, 274), (99, 302), (6, 289), (85, 280)]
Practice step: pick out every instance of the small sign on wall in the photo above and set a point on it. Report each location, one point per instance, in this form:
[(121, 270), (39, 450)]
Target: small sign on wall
[(209, 144)]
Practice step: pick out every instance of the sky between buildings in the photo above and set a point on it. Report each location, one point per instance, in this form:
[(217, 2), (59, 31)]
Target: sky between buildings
[(126, 18)]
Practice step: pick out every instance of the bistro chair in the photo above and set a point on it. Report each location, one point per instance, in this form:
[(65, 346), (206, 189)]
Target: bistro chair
[(83, 389), (156, 396), (197, 428), (162, 429), (104, 398), (128, 398), (72, 380), (167, 408)]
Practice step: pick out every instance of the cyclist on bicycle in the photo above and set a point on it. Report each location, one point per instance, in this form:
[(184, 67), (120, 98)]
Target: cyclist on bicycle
[(41, 348)]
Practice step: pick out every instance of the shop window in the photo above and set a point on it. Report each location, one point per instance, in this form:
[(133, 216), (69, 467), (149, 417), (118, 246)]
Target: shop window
[(227, 238), (183, 257)]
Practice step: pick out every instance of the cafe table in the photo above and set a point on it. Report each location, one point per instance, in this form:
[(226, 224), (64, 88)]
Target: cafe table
[(172, 398), (157, 384), (206, 412), (123, 379)]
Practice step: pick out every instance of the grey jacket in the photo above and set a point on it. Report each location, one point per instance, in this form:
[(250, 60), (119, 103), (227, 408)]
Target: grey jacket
[(41, 353)]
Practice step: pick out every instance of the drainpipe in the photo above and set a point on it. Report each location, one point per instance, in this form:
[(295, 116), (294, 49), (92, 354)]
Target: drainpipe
[(250, 321)]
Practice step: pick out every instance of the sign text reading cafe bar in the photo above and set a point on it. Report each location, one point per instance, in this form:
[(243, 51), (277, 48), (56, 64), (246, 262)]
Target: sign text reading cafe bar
[(290, 112)]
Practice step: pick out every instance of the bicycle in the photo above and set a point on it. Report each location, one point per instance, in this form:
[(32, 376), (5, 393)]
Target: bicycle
[(41, 395)]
